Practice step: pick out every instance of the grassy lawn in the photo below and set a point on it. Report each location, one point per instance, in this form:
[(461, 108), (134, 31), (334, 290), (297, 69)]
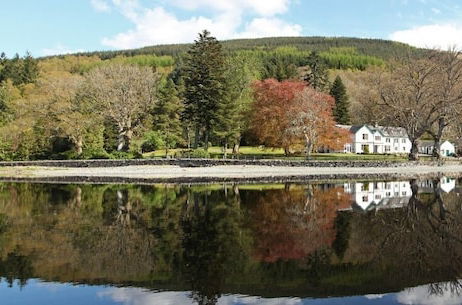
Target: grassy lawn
[(259, 152)]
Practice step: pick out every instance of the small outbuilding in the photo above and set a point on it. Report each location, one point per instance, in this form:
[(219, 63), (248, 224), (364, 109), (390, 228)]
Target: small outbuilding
[(447, 148)]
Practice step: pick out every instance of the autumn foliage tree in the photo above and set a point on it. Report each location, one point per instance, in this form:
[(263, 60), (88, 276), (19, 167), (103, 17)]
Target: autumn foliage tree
[(269, 121), (288, 113), (310, 120)]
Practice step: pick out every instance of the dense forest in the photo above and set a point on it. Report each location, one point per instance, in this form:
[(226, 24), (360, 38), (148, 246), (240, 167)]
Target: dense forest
[(277, 92)]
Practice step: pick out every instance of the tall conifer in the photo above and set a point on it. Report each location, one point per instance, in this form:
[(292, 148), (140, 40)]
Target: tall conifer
[(341, 110)]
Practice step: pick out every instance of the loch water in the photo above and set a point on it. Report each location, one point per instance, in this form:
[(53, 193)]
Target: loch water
[(342, 242)]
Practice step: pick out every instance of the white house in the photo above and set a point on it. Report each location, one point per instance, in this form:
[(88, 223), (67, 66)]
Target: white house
[(377, 139), (447, 148)]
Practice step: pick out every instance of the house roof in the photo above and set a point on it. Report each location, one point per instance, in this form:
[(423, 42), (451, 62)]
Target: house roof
[(423, 143), (385, 131)]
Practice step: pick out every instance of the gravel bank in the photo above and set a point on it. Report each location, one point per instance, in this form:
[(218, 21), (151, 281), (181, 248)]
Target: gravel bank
[(231, 173)]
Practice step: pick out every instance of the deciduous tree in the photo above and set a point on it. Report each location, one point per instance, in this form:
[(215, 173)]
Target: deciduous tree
[(124, 93), (310, 120), (269, 111), (409, 93)]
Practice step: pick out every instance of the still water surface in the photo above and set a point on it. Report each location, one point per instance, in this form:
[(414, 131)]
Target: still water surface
[(357, 242)]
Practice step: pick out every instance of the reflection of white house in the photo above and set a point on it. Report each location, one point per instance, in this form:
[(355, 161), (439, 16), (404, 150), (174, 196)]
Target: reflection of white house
[(447, 185), (377, 139), (426, 147), (396, 194), (370, 195)]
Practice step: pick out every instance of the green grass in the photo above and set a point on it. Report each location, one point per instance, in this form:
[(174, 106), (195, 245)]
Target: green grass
[(260, 152)]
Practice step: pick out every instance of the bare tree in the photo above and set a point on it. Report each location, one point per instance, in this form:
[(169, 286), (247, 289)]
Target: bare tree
[(409, 93), (450, 95), (124, 93)]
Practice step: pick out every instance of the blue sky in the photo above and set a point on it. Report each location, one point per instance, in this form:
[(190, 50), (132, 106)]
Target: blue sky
[(46, 27)]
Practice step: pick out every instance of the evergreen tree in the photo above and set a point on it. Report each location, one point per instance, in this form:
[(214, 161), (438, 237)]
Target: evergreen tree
[(341, 110), (167, 115), (317, 77), (204, 82)]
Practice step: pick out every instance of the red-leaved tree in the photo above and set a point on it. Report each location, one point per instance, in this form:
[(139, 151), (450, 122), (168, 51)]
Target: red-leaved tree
[(269, 119), (289, 112), (310, 120)]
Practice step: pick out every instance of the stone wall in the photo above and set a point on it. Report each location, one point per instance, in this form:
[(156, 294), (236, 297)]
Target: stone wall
[(217, 162)]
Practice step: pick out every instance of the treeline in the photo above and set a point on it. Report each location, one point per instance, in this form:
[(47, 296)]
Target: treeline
[(384, 49), (87, 107)]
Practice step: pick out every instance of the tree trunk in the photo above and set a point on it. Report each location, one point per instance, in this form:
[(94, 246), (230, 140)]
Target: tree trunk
[(206, 139), (225, 149), (196, 137), (79, 145), (236, 147), (121, 139), (308, 146), (437, 139), (414, 154), (286, 151)]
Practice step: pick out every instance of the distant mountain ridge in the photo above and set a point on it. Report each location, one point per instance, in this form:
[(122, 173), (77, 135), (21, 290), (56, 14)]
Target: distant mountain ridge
[(385, 49)]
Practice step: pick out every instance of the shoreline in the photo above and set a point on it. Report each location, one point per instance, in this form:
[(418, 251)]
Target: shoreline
[(153, 174)]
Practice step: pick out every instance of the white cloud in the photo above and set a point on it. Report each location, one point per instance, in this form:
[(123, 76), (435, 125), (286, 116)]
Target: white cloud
[(421, 296), (138, 296), (374, 296), (441, 36), (60, 49), (267, 27), (100, 5), (159, 26)]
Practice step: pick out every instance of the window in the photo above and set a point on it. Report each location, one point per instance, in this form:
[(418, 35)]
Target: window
[(404, 193), (388, 140), (388, 194), (365, 198), (365, 136), (396, 140), (403, 140), (388, 186), (396, 194), (404, 148), (377, 196), (387, 148), (378, 138)]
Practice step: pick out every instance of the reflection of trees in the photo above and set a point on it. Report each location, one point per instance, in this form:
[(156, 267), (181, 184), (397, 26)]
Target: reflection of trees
[(16, 267), (296, 221), (419, 242), (211, 243)]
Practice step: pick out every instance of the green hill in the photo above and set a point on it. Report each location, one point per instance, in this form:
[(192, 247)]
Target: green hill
[(383, 49)]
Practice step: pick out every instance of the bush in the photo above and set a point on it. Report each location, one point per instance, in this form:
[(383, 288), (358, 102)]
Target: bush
[(122, 155), (199, 153), (152, 141)]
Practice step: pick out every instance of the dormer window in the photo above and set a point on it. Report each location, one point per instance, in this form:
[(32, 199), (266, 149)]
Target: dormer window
[(365, 136), (378, 138)]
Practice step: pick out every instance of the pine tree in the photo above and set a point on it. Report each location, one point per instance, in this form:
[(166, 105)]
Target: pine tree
[(166, 115), (317, 77), (341, 110), (204, 82)]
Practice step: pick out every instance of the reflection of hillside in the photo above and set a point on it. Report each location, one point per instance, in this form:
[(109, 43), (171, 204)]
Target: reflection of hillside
[(289, 240)]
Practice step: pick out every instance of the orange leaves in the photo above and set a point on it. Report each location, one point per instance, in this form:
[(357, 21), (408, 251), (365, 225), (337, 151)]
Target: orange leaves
[(289, 112)]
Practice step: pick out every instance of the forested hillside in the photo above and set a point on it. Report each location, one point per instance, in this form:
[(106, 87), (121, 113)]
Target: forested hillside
[(384, 49), (276, 92)]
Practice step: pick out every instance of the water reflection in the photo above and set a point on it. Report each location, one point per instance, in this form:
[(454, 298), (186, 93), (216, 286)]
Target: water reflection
[(237, 244)]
